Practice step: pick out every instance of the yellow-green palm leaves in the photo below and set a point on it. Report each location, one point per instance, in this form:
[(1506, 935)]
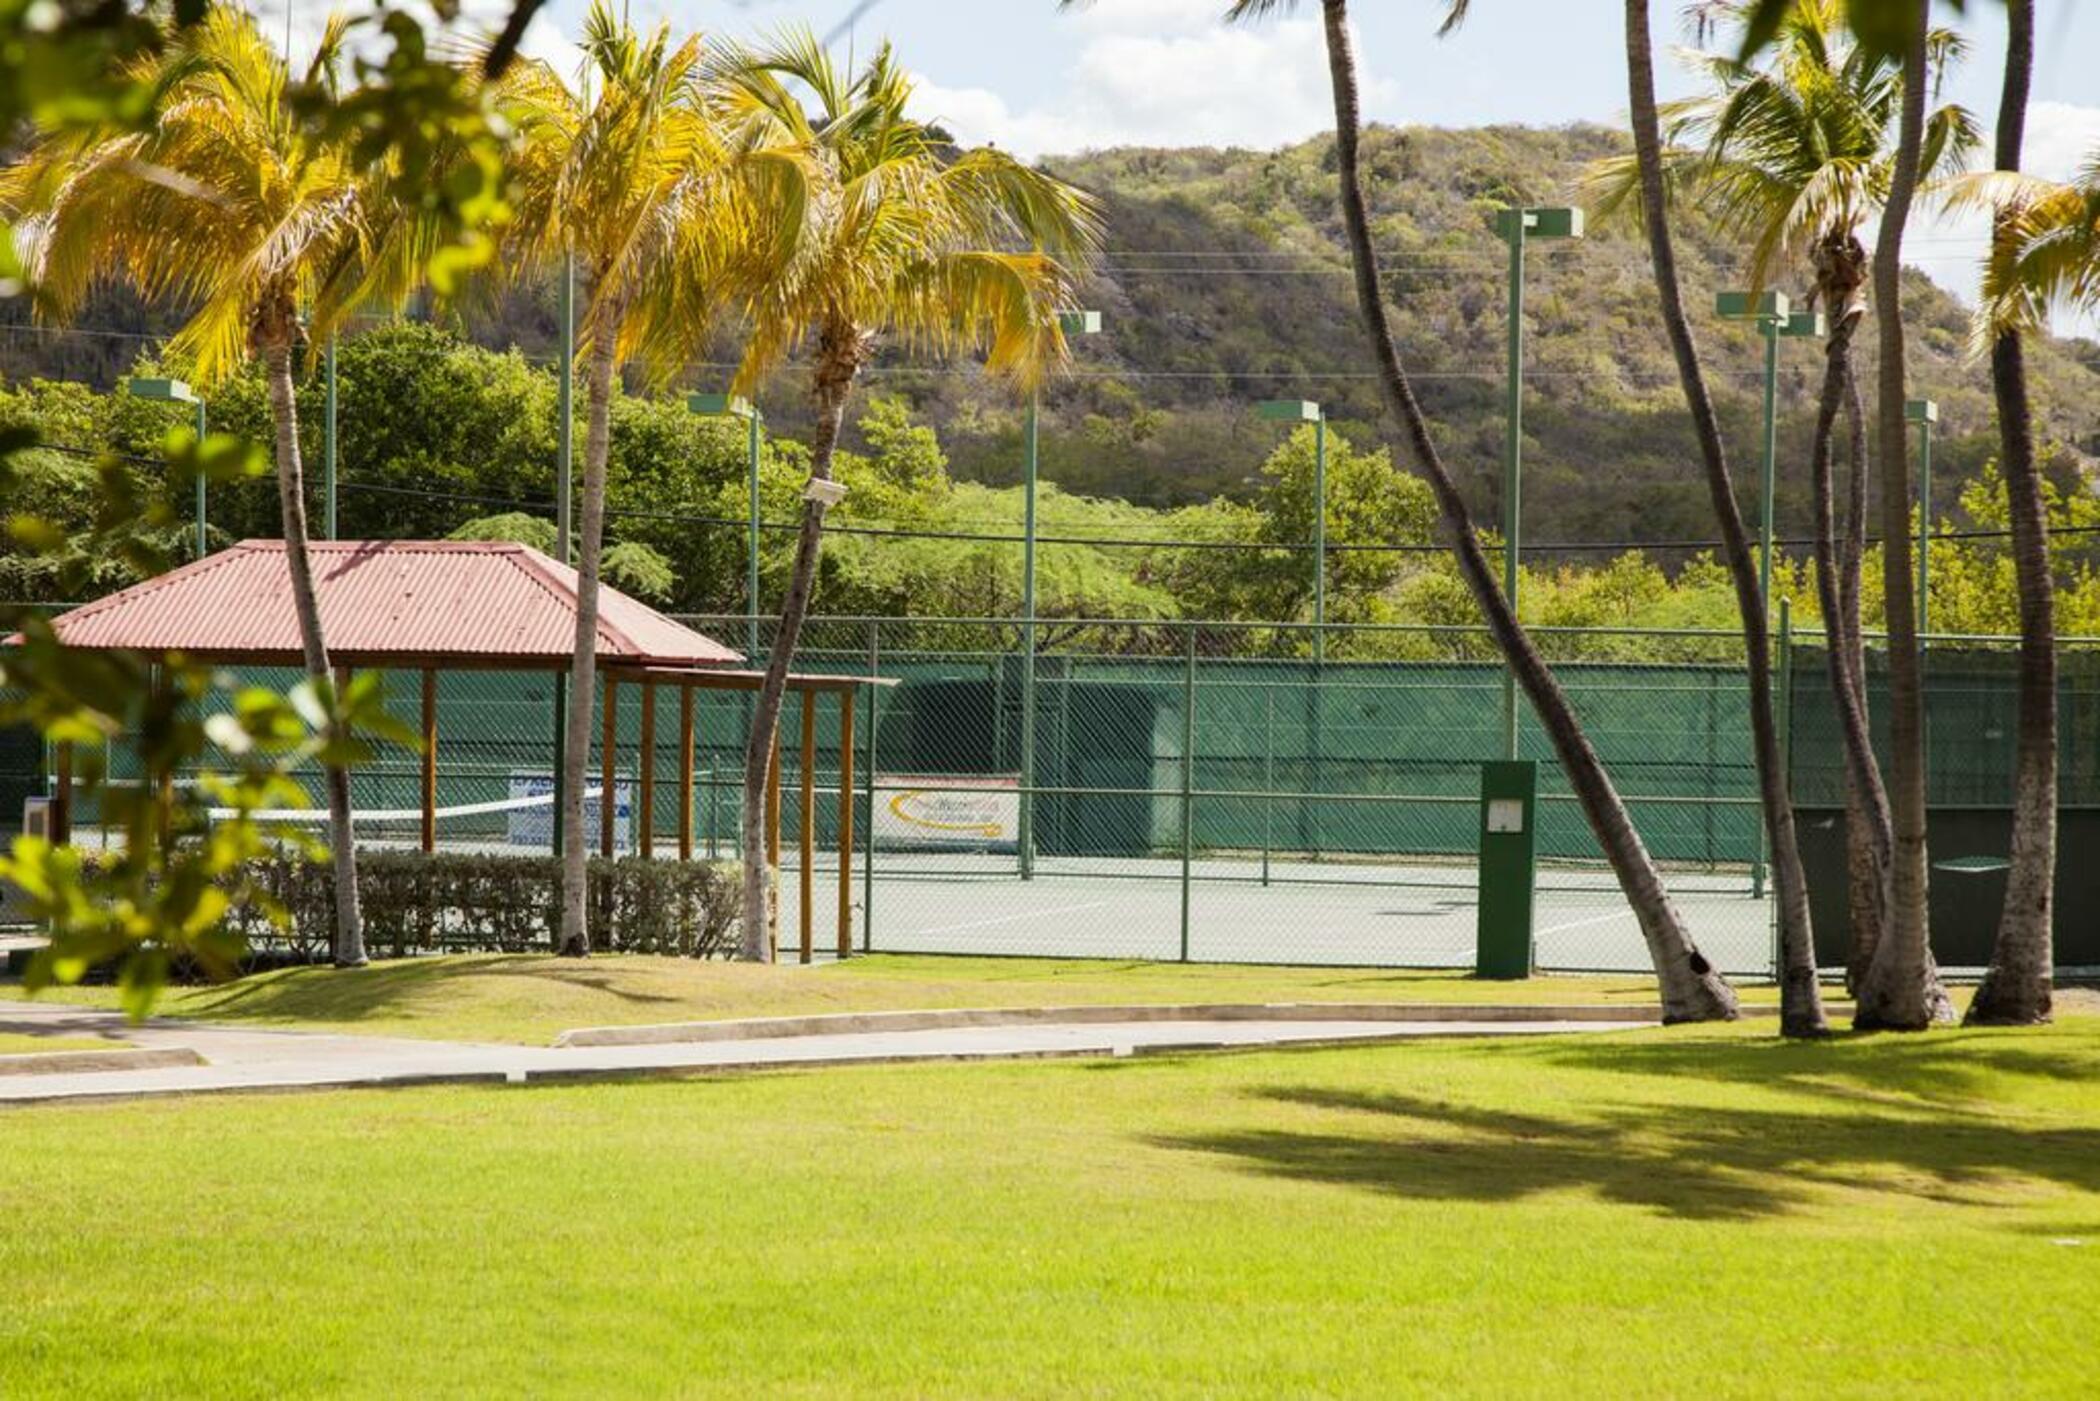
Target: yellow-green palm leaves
[(227, 204), (627, 177), (885, 227), (1799, 149), (2049, 254)]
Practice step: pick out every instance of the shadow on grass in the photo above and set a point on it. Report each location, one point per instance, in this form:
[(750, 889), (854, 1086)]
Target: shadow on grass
[(332, 994), (1880, 1116)]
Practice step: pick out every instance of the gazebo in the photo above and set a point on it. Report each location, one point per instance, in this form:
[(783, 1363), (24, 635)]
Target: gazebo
[(433, 606)]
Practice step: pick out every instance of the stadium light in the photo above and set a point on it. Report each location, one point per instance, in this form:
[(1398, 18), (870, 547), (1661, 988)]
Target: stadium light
[(174, 391), (737, 406), (1518, 227), (1305, 411), (1775, 318), (1070, 323), (1925, 413)]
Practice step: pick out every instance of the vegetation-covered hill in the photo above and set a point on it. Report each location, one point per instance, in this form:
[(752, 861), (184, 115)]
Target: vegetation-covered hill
[(1226, 283)]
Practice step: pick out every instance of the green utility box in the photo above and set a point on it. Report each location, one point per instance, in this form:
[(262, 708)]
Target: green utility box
[(1509, 790)]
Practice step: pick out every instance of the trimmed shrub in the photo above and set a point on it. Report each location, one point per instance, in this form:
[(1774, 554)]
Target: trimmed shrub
[(451, 902)]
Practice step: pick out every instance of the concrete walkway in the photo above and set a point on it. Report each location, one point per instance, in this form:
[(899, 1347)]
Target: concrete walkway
[(239, 1058)]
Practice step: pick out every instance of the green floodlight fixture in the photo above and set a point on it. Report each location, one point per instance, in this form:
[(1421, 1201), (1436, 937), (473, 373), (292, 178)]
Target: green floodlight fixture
[(1925, 413), (1806, 323), (1288, 411), (738, 407), (1071, 322), (175, 391), (1519, 226)]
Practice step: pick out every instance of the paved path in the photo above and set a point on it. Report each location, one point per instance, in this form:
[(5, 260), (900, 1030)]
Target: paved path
[(244, 1059)]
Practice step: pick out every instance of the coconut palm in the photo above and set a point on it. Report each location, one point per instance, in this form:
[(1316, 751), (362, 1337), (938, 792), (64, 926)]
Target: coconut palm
[(1793, 156), (2045, 247), (1901, 989), (231, 208), (1691, 989), (629, 181), (897, 233)]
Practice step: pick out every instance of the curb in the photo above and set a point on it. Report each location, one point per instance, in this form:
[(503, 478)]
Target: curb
[(849, 1023), (90, 1062)]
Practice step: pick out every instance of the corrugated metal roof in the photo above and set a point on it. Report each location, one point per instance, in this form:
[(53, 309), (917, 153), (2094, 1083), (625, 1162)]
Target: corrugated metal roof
[(465, 601)]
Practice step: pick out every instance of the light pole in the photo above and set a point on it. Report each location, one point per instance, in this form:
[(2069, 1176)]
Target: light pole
[(1925, 413), (1305, 411), (736, 406), (1070, 323), (1774, 319), (174, 391), (328, 451), (1518, 227)]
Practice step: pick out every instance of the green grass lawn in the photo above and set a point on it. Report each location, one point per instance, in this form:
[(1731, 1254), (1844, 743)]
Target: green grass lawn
[(532, 998), (17, 1043), (1699, 1211)]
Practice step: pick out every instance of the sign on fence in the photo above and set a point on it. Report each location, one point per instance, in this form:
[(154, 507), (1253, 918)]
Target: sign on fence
[(532, 823), (920, 812)]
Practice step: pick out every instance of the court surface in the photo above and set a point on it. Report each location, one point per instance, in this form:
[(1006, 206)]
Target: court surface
[(1308, 912)]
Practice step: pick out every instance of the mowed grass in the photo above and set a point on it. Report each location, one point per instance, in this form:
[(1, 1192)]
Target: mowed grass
[(532, 998), (1698, 1212), (18, 1043)]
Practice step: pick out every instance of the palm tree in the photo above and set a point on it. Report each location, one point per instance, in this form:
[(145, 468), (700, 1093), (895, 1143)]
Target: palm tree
[(628, 180), (1901, 990), (899, 233), (2028, 269), (1793, 157), (1691, 988), (228, 206)]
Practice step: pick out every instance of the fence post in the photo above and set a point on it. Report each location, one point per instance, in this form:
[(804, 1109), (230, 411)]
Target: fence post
[(1785, 723), (867, 859), (1188, 782), (1268, 775)]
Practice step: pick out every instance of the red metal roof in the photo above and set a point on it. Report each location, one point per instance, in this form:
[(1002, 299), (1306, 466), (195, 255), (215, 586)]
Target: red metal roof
[(463, 602)]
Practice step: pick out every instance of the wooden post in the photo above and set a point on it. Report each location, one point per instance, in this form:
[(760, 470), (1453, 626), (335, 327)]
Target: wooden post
[(809, 825), (430, 759), (846, 823), (611, 757), (771, 818), (61, 815), (648, 766), (685, 773)]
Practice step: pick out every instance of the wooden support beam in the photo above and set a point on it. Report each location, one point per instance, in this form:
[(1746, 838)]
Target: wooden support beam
[(648, 767), (611, 756), (430, 759), (771, 817), (685, 773), (846, 824), (809, 827)]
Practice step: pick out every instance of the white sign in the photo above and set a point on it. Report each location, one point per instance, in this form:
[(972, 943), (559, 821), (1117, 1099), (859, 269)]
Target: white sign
[(533, 826), (1505, 814), (922, 811)]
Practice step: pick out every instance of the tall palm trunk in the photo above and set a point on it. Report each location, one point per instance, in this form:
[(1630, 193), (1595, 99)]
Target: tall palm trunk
[(275, 329), (1901, 991), (841, 350), (1691, 988), (575, 940), (1840, 268), (1800, 996), (1869, 840), (2017, 988)]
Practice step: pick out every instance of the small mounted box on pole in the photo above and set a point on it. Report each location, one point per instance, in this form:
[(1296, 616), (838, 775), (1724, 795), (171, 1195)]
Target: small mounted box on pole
[(1508, 867)]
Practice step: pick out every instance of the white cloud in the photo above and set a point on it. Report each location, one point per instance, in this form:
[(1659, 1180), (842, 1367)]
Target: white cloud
[(1163, 73)]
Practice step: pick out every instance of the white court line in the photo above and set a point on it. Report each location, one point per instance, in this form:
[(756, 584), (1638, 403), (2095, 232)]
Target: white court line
[(1008, 919), (1579, 923)]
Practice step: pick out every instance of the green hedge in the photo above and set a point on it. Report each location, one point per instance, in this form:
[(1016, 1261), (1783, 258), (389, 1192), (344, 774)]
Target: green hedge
[(459, 902)]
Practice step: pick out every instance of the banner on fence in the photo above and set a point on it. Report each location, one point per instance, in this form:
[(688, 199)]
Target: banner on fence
[(920, 812), (532, 822)]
